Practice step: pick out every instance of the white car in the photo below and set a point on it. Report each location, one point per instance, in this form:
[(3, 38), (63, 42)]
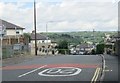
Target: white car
[(81, 52)]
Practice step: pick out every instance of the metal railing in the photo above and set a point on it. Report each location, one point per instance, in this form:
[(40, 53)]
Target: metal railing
[(8, 51)]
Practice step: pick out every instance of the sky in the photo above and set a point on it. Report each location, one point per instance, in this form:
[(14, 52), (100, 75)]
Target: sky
[(62, 15)]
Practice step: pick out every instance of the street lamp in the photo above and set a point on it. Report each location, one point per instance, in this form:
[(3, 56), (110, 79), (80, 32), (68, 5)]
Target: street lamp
[(47, 34), (47, 31)]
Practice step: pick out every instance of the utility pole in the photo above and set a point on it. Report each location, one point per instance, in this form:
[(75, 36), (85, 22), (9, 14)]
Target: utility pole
[(93, 37), (35, 28), (47, 36)]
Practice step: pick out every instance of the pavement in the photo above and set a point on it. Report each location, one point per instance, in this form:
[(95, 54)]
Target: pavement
[(111, 69)]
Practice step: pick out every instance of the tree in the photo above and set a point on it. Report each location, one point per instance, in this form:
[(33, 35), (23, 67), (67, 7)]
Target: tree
[(100, 48), (27, 37), (93, 52), (63, 47)]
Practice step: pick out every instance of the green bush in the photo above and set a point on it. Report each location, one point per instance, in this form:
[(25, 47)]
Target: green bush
[(93, 52), (63, 47), (100, 48)]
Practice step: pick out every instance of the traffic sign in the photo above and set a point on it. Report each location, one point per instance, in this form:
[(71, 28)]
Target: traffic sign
[(2, 30)]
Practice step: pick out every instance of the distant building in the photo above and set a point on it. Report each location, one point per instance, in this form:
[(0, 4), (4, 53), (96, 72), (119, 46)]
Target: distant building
[(112, 44), (85, 48)]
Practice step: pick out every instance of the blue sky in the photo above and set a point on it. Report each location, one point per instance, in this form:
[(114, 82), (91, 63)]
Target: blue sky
[(31, 0), (29, 3)]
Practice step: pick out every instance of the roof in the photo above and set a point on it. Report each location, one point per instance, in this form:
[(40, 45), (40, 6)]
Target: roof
[(9, 25), (86, 45), (38, 37)]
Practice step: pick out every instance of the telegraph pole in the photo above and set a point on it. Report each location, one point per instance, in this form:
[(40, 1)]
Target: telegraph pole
[(47, 36), (93, 37), (35, 28)]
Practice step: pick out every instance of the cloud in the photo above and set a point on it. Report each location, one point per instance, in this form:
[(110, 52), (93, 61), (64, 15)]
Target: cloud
[(66, 15)]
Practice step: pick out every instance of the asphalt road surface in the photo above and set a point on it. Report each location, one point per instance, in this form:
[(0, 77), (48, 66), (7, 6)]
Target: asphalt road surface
[(111, 69), (56, 68)]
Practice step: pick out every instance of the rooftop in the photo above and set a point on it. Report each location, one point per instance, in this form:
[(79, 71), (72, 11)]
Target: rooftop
[(9, 25), (38, 37)]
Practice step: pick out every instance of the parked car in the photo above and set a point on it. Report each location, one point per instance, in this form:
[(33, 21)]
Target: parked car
[(81, 52)]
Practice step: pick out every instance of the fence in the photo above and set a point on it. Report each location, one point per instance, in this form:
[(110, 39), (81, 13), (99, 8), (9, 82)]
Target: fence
[(9, 51)]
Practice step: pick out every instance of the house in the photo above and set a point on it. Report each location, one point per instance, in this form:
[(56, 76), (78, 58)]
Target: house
[(117, 44), (43, 43), (12, 34), (14, 42), (85, 48), (110, 44), (40, 38)]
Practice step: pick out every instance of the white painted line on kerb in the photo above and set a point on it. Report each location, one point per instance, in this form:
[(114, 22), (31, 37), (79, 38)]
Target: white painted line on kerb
[(82, 55), (97, 75), (96, 71), (31, 71)]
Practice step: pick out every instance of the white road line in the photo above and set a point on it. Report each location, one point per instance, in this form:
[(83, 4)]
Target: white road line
[(104, 65), (81, 55), (97, 75), (96, 71), (31, 71)]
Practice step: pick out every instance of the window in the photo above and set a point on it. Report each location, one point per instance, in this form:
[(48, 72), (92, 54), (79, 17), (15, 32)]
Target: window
[(43, 41), (17, 32)]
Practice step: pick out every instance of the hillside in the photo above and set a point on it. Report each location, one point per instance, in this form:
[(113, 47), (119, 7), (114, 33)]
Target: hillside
[(79, 37)]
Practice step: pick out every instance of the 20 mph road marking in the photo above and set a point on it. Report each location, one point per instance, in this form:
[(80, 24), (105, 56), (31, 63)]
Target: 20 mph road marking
[(60, 71), (31, 71)]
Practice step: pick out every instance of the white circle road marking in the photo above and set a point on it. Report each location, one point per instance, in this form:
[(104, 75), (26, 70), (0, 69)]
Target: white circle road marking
[(60, 71)]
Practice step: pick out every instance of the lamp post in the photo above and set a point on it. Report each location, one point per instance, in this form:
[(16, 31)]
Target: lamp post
[(46, 25), (47, 34)]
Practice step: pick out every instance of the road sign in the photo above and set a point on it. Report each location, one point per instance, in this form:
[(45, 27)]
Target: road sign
[(2, 30), (60, 71)]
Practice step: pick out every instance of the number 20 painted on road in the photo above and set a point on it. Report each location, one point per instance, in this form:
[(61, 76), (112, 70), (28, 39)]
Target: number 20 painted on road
[(60, 71)]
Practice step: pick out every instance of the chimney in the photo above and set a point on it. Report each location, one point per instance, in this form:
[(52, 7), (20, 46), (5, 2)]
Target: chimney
[(33, 32)]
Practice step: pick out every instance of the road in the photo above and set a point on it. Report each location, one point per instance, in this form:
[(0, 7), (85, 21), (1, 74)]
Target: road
[(56, 68), (111, 69)]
